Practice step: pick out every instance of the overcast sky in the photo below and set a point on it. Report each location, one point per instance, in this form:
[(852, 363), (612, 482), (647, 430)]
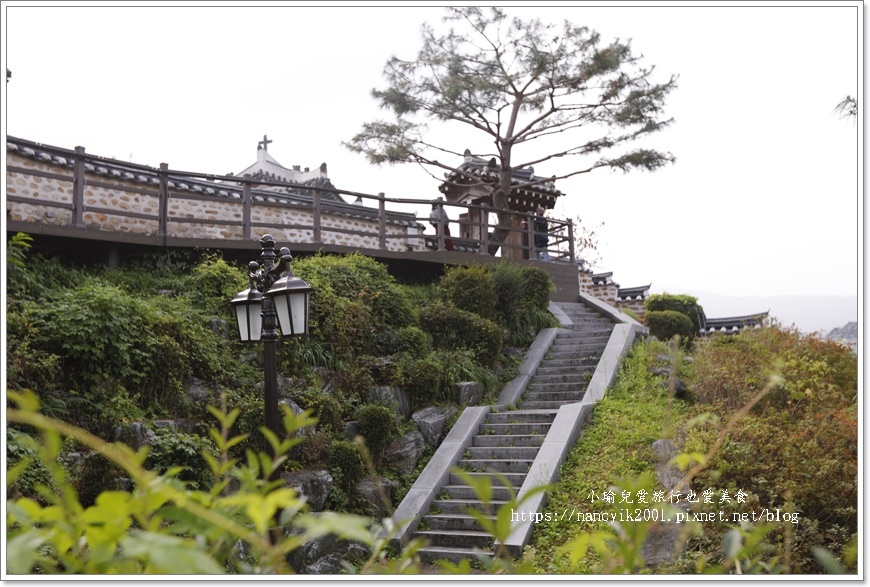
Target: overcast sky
[(763, 199)]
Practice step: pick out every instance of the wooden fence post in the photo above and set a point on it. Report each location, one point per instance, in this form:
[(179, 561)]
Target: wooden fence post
[(79, 188), (247, 202), (315, 214), (163, 203), (382, 221)]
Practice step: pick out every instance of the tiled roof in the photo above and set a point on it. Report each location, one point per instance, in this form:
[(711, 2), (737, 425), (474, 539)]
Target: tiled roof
[(476, 169), (633, 293), (735, 323)]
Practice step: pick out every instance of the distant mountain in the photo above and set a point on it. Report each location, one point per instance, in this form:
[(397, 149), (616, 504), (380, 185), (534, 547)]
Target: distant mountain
[(807, 313)]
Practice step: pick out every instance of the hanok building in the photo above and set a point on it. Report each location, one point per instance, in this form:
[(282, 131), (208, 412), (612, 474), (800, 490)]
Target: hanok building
[(268, 169), (472, 184), (734, 324)]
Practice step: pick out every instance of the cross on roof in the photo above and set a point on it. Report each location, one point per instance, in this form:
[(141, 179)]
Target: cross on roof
[(264, 143)]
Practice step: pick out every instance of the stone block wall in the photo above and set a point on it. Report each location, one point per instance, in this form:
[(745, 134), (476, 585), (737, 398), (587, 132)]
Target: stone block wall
[(195, 211)]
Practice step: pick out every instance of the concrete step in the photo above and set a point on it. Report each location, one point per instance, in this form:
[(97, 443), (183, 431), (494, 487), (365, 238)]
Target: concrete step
[(514, 479), (579, 342), (460, 506), (500, 465), (462, 522), (553, 396), (461, 491), (457, 538), (535, 405), (547, 370), (511, 429), (432, 554), (569, 352), (508, 440), (587, 361), (521, 417), (588, 332), (581, 375), (503, 452), (577, 386)]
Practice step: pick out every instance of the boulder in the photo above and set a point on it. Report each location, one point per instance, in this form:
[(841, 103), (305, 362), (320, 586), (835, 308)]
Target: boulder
[(197, 389), (134, 434), (680, 388), (220, 327), (668, 475), (324, 555), (315, 485), (403, 453), (431, 422), (392, 397), (468, 393), (374, 493), (351, 429)]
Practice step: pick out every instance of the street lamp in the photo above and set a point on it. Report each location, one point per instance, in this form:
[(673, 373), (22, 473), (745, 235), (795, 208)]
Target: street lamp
[(272, 299)]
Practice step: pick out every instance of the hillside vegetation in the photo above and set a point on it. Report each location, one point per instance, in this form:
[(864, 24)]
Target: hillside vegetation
[(769, 414)]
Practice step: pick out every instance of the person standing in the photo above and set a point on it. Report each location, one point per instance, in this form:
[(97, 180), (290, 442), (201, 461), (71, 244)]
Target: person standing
[(441, 222)]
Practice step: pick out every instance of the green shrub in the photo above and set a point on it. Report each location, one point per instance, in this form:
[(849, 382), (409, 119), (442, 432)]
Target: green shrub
[(430, 379), (345, 463), (537, 287), (666, 324), (409, 339), (98, 474), (455, 329), (213, 283), (684, 304), (375, 424), (355, 300), (325, 408), (178, 449), (471, 289)]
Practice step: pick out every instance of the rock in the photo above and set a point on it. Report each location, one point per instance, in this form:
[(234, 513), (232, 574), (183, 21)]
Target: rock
[(294, 407), (370, 491), (468, 393), (431, 422), (220, 327), (661, 542), (668, 475), (681, 390), (323, 555), (664, 537), (392, 397), (351, 429), (172, 425), (402, 454), (134, 434), (315, 485), (197, 389)]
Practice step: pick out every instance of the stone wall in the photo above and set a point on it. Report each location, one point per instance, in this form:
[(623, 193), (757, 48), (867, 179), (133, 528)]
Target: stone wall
[(129, 201)]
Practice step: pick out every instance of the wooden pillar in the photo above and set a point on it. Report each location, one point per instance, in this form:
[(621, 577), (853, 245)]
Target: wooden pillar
[(315, 213), (79, 188), (382, 221), (247, 200), (163, 204)]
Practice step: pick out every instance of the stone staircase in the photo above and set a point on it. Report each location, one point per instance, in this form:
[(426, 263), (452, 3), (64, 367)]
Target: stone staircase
[(508, 441)]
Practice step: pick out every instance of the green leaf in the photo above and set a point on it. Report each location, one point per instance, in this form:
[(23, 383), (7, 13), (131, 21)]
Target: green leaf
[(21, 551), (164, 554)]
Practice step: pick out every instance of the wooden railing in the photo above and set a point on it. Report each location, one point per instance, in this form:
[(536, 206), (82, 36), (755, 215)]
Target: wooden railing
[(66, 176)]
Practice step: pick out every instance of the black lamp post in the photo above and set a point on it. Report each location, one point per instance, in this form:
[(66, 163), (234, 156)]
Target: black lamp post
[(270, 301)]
